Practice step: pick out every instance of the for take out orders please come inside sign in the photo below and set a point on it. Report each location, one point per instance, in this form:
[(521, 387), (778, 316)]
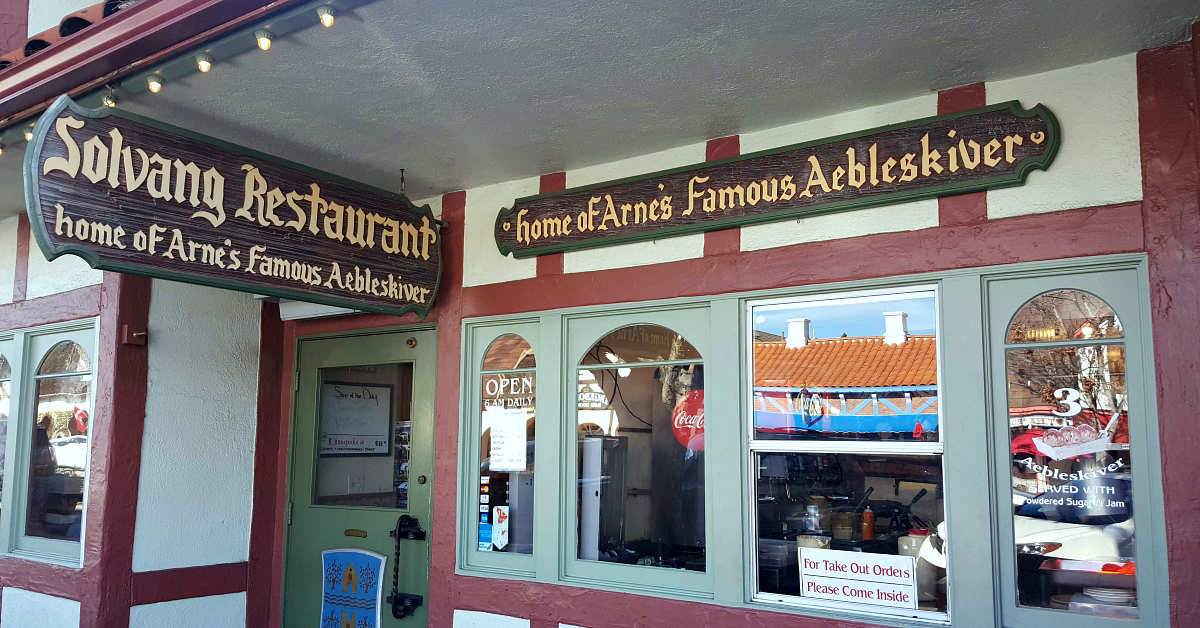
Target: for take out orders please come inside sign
[(880, 579)]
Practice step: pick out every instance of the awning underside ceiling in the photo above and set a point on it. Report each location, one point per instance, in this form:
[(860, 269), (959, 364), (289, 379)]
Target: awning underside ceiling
[(469, 93)]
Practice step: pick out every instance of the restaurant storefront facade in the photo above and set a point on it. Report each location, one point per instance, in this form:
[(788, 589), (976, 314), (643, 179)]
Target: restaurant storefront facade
[(924, 362)]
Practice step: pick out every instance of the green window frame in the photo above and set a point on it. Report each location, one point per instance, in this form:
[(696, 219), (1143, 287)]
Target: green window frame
[(29, 347), (716, 326)]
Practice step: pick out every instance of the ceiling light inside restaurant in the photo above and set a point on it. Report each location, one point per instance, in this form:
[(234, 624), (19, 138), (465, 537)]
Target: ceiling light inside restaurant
[(264, 38), (204, 62), (155, 83), (326, 15)]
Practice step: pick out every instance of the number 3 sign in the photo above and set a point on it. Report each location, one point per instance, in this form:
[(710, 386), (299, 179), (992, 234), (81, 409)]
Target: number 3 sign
[(1068, 397)]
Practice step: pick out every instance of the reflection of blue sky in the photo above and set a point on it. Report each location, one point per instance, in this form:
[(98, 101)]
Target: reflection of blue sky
[(854, 317)]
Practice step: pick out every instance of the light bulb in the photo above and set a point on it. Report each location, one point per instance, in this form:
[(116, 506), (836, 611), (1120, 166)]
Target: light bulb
[(1, 149), (155, 84), (264, 38), (29, 135), (326, 15), (109, 99), (203, 62)]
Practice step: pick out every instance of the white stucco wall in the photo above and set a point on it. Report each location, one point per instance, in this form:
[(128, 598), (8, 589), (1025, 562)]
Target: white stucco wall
[(8, 258), (904, 217), (68, 272), (26, 609), (482, 262), (195, 495), (44, 14), (477, 619), (217, 611), (1100, 159)]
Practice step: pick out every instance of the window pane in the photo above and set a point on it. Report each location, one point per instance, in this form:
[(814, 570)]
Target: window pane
[(1064, 315), (1071, 478), (641, 465), (640, 343), (5, 402), (58, 458), (847, 368), (509, 351), (506, 463), (65, 357), (5, 368), (365, 435), (821, 502)]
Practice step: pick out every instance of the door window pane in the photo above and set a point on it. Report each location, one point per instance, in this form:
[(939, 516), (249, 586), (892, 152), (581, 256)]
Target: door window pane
[(884, 512), (847, 368), (640, 438), (58, 457), (65, 357), (364, 436), (1071, 463), (505, 516)]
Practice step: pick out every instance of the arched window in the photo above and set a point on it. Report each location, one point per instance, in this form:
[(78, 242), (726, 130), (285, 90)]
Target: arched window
[(1068, 413), (640, 432), (59, 448), (507, 425), (5, 406)]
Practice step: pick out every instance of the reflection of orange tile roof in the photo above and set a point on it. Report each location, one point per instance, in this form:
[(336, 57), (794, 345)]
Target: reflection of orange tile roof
[(863, 362)]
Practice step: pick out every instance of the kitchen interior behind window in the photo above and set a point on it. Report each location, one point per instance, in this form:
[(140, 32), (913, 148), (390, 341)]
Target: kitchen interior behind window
[(846, 427)]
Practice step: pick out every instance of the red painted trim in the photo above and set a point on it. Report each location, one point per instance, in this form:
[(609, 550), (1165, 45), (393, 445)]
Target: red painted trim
[(151, 587), (64, 306), (1076, 233), (724, 241), (1167, 100), (116, 461), (962, 209), (259, 574), (14, 24), (551, 264), (442, 581), (41, 577), (124, 43), (21, 273)]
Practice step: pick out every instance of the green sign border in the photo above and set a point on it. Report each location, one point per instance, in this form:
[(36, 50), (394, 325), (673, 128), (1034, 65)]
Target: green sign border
[(33, 153), (1017, 177)]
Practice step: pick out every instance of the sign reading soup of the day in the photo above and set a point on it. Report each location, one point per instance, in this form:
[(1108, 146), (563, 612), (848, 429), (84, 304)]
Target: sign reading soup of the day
[(134, 195), (880, 579), (991, 147)]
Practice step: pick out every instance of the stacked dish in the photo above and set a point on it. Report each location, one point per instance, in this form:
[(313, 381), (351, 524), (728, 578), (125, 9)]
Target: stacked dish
[(1111, 596)]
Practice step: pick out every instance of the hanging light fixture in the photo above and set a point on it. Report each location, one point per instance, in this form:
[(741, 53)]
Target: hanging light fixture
[(29, 134), (109, 99), (264, 38), (326, 15), (204, 62), (155, 83)]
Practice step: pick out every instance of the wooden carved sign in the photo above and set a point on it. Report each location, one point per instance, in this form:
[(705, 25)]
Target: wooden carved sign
[(992, 147), (134, 195)]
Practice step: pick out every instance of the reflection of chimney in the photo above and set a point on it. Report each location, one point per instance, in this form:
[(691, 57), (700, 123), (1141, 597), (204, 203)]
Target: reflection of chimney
[(797, 333), (895, 330)]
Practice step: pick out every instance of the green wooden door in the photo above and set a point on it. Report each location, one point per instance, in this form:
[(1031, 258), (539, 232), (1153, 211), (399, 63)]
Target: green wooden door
[(362, 456)]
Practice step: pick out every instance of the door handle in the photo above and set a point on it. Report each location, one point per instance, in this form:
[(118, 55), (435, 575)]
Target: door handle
[(404, 604)]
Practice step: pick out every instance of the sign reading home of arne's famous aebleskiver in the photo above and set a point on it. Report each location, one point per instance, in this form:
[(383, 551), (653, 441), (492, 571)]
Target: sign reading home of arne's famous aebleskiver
[(991, 147), (138, 196)]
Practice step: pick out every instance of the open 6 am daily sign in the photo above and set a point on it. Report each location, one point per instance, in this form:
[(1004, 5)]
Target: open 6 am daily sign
[(880, 579), (134, 195)]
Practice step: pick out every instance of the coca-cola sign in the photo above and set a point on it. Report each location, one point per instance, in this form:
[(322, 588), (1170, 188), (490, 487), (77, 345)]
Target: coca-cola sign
[(687, 420)]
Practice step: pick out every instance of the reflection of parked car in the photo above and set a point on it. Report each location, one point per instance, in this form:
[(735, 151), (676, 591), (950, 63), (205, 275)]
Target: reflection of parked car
[(1081, 520)]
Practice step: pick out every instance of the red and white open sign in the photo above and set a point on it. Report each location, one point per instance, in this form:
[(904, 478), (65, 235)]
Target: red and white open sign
[(687, 420)]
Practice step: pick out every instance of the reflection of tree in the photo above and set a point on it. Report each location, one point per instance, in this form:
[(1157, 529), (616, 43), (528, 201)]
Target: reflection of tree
[(333, 574), (1096, 371)]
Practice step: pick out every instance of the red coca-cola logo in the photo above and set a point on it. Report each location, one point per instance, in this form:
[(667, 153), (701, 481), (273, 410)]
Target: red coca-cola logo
[(687, 420)]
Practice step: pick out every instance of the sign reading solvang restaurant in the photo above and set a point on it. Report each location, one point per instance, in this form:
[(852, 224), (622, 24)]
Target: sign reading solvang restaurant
[(991, 147), (138, 196)]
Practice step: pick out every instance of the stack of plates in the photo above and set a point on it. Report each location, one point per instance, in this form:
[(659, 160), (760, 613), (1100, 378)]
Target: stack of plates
[(1111, 596)]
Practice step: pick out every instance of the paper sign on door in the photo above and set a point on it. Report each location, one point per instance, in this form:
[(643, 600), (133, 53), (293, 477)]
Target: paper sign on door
[(880, 579)]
